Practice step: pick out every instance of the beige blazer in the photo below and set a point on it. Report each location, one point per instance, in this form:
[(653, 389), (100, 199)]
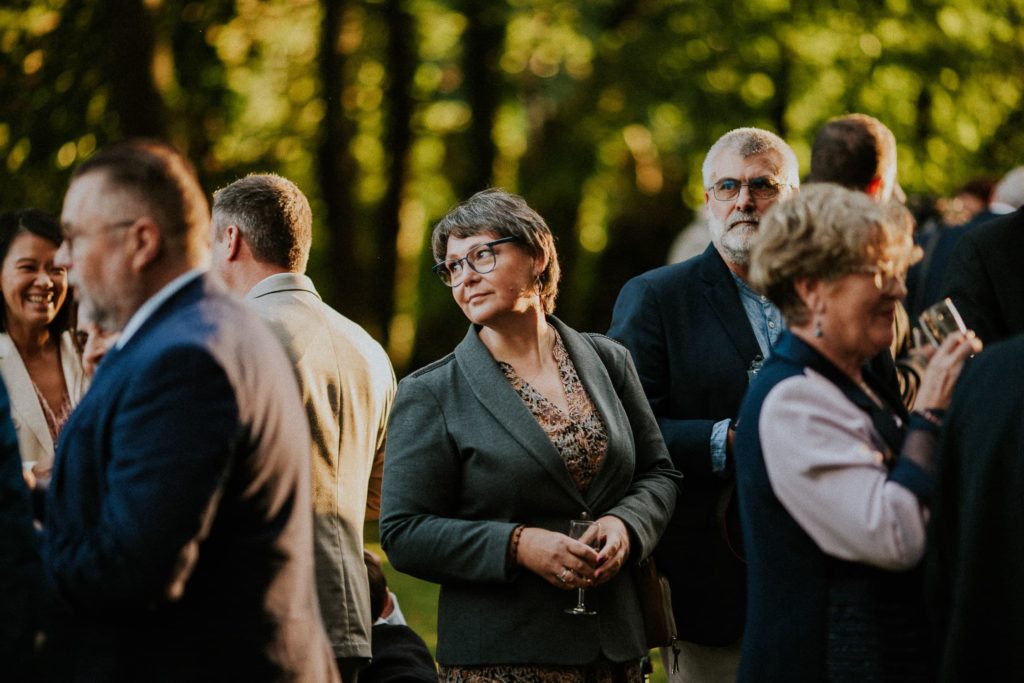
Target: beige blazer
[(33, 435), (347, 386)]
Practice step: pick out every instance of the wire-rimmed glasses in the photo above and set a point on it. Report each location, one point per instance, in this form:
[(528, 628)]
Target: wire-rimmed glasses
[(480, 258), (763, 187)]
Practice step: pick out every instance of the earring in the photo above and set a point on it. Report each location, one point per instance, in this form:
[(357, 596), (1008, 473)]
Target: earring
[(818, 334)]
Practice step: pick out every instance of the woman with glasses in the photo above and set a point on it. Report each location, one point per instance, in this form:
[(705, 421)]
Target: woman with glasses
[(39, 361), (834, 476), (494, 449)]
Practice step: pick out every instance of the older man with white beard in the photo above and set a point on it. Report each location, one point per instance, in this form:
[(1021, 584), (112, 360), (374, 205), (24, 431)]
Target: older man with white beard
[(698, 333)]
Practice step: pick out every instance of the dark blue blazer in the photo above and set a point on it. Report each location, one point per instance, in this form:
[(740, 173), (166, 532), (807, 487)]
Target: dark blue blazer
[(20, 569), (925, 279), (976, 537), (179, 529), (693, 345), (985, 278)]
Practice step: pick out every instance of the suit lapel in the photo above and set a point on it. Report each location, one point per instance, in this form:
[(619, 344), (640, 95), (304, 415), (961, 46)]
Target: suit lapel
[(24, 403), (724, 299), (490, 387), (597, 381)]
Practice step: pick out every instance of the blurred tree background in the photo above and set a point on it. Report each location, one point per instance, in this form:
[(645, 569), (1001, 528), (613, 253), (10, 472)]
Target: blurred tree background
[(388, 112)]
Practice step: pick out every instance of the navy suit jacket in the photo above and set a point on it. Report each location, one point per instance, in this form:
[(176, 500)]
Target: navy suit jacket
[(976, 536), (179, 530), (985, 278), (20, 569), (692, 345)]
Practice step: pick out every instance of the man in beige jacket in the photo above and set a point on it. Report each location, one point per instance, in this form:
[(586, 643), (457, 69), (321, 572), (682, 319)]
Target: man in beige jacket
[(262, 231)]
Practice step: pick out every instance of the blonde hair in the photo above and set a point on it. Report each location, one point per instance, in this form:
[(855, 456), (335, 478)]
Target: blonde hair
[(823, 233)]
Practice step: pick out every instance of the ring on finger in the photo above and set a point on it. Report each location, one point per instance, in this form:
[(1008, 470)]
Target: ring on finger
[(562, 576)]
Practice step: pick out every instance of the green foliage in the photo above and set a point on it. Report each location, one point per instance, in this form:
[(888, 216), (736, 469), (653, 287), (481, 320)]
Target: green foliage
[(388, 112)]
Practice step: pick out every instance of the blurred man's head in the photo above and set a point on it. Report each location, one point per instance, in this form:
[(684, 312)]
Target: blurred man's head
[(858, 152), (134, 219), (745, 172)]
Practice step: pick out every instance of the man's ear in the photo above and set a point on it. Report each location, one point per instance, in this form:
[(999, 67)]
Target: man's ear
[(874, 188), (233, 242), (146, 242)]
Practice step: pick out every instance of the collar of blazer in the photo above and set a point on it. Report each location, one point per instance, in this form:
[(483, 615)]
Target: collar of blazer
[(282, 282), (724, 298), (496, 395)]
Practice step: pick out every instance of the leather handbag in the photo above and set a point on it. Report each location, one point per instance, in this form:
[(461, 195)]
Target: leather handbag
[(655, 604)]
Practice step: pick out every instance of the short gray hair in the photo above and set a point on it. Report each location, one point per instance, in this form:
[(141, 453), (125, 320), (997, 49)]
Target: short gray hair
[(748, 142), (1010, 190), (272, 214), (505, 215)]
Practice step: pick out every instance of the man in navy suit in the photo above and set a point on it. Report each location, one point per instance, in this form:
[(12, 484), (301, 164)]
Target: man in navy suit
[(697, 332), (179, 531)]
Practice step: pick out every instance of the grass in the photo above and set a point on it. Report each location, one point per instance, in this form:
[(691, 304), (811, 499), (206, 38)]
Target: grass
[(418, 600)]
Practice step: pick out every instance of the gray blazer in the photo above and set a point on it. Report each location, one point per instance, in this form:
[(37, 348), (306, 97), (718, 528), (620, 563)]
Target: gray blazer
[(347, 388), (466, 462)]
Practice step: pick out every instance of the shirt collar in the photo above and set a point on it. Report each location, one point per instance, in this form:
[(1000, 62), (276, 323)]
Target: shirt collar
[(153, 303)]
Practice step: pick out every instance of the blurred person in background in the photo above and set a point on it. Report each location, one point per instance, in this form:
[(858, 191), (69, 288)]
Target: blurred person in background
[(20, 568), (39, 360), (984, 277), (495, 448), (399, 654), (93, 341), (835, 477), (976, 534), (858, 152)]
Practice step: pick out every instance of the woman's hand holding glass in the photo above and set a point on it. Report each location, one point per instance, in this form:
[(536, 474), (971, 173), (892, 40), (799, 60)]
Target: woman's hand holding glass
[(944, 368), (561, 561), (614, 551)]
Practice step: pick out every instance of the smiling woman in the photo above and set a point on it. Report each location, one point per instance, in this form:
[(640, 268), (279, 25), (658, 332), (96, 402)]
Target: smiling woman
[(39, 361)]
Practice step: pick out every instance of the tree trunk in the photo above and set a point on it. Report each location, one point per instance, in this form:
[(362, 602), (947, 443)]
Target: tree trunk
[(133, 95), (336, 173)]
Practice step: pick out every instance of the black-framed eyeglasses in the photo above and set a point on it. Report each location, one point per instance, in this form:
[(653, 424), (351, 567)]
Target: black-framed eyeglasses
[(480, 258), (764, 187)]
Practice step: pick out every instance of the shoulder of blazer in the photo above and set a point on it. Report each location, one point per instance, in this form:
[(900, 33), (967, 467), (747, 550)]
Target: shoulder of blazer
[(605, 344), (426, 370)]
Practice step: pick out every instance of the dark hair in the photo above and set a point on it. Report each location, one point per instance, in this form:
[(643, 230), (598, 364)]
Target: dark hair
[(272, 214), (378, 584), (851, 151), (505, 215), (165, 182), (40, 224)]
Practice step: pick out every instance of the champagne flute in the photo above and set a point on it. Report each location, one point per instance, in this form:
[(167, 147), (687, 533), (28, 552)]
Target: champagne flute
[(588, 532)]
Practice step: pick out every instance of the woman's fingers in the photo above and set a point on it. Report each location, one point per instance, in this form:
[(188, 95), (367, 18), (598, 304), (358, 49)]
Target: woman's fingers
[(615, 551), (558, 559)]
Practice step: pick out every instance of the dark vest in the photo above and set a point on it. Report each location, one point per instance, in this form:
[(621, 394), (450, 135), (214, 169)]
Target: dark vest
[(811, 616)]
